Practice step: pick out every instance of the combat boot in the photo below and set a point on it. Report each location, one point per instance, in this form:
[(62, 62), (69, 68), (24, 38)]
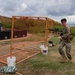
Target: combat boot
[(63, 60)]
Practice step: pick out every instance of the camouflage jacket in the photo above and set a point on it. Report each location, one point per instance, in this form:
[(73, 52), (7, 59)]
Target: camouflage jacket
[(66, 32)]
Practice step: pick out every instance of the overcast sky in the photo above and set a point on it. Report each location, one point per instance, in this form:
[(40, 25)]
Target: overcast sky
[(55, 9)]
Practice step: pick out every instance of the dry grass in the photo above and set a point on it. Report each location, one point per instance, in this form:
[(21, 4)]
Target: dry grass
[(48, 64)]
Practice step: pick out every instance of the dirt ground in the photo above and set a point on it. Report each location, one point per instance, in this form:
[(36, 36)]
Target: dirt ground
[(25, 52), (22, 51)]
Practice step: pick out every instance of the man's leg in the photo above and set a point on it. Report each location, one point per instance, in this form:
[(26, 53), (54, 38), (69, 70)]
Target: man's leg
[(68, 50), (61, 45)]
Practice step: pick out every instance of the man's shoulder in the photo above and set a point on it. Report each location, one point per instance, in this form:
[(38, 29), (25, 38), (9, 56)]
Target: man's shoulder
[(68, 27)]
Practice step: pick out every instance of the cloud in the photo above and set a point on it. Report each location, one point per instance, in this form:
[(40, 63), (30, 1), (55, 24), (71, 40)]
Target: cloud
[(54, 9), (24, 6)]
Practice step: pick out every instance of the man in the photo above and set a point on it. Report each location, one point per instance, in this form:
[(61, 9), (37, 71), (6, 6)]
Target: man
[(64, 42)]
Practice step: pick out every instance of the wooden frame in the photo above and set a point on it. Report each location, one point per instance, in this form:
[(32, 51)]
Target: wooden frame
[(48, 25), (27, 17)]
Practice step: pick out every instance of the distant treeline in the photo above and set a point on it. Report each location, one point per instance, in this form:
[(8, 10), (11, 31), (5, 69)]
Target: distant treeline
[(32, 25)]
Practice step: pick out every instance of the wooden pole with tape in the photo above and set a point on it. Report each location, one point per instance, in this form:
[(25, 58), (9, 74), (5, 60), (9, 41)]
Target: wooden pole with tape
[(49, 24), (46, 33), (11, 47)]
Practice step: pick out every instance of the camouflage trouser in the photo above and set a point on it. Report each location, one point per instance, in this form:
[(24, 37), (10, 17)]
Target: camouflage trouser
[(68, 49)]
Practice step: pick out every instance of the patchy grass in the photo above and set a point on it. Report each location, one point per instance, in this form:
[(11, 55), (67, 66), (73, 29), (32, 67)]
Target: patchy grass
[(73, 40), (47, 64), (34, 37)]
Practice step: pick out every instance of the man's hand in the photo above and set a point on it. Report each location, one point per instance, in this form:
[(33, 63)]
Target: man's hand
[(59, 37)]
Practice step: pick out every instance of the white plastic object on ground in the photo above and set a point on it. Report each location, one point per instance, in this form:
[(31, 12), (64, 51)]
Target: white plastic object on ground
[(11, 61), (44, 50)]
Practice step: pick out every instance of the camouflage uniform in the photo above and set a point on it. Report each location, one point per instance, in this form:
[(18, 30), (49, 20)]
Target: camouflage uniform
[(66, 32)]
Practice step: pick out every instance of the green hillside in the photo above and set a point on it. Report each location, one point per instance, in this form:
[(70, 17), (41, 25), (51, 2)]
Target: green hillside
[(31, 25)]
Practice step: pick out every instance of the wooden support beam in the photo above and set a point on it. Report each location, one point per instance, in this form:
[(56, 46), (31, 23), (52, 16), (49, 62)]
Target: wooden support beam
[(29, 17), (11, 48), (9, 54), (46, 33), (26, 45), (49, 24), (28, 57), (3, 62), (18, 73)]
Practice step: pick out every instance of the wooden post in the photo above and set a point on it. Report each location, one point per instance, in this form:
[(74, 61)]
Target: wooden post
[(49, 24), (46, 33), (11, 47)]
